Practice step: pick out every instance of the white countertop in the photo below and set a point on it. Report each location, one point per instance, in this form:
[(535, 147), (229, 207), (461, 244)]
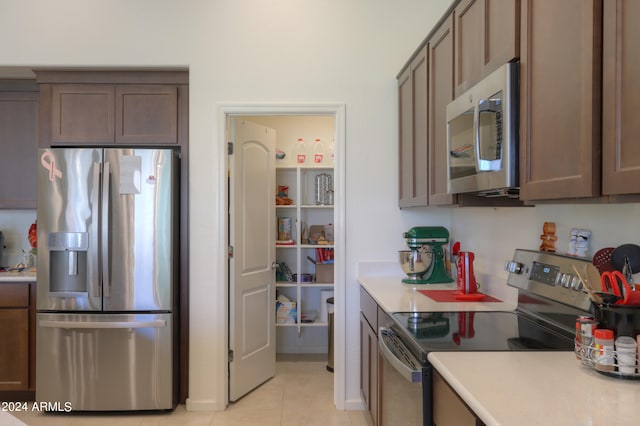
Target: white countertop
[(393, 295), (538, 388), (12, 277)]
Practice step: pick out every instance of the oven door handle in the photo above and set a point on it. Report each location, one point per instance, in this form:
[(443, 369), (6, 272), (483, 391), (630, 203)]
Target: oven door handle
[(412, 373)]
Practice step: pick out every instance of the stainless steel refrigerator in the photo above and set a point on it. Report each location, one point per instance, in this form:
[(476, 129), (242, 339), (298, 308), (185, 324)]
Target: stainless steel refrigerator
[(107, 278)]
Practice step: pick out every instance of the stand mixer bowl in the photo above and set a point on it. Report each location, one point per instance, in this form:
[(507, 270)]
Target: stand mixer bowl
[(416, 263)]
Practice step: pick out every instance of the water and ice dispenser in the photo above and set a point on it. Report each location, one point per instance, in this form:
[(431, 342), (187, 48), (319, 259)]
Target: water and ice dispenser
[(68, 261)]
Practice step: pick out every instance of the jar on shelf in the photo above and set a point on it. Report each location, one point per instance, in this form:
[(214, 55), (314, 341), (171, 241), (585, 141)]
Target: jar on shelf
[(323, 184)]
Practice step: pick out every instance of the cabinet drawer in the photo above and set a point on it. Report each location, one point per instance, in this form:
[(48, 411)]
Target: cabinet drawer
[(14, 295), (369, 309)]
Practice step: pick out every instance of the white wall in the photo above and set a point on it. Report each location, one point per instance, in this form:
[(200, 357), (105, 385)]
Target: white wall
[(252, 51)]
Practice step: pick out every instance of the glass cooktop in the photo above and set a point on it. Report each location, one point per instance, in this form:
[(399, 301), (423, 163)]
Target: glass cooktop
[(477, 331)]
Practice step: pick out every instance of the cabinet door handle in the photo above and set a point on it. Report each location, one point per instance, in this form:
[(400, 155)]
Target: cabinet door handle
[(275, 265)]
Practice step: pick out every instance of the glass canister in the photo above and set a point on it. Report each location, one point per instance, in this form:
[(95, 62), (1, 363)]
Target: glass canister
[(323, 184)]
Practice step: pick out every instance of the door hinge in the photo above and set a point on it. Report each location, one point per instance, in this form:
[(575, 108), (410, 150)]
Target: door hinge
[(230, 148), (230, 252), (230, 355)]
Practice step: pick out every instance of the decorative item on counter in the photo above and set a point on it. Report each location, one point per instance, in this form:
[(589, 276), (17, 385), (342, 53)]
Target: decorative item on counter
[(280, 154), (579, 242), (427, 255), (548, 237), (282, 197), (33, 237), (573, 240)]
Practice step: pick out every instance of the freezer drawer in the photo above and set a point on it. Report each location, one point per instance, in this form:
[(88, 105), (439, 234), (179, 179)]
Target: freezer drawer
[(105, 362)]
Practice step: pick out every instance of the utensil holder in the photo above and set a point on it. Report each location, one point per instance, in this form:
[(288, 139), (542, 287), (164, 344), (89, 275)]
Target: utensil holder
[(623, 321), (587, 354)]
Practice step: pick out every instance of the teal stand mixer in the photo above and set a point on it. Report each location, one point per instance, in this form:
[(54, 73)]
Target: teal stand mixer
[(426, 257)]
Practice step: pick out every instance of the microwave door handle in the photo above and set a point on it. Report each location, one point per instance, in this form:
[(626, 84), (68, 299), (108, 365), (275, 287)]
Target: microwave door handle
[(482, 165)]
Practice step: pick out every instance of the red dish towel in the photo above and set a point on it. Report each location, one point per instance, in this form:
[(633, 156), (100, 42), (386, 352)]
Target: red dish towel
[(450, 296)]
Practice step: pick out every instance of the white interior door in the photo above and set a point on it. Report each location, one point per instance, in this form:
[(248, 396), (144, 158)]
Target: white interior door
[(252, 329)]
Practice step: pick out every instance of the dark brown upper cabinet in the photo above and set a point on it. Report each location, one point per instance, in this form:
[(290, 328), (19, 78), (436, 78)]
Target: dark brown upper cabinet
[(487, 34), (103, 107), (441, 51), (18, 138), (620, 100), (412, 105), (560, 105)]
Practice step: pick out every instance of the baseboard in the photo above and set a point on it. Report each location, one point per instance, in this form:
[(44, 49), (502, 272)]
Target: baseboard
[(355, 405), (202, 405)]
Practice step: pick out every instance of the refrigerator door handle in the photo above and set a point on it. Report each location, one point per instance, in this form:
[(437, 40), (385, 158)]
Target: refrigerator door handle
[(103, 324), (95, 276), (104, 225)]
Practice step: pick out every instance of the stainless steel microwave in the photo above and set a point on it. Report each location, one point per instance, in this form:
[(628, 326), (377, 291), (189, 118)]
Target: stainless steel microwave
[(482, 136)]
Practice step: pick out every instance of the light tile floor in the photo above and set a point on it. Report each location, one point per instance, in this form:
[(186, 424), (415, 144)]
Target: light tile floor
[(301, 393)]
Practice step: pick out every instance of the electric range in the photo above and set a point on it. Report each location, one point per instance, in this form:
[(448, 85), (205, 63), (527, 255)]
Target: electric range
[(550, 298)]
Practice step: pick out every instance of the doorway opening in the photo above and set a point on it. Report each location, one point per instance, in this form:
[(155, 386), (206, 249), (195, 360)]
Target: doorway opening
[(303, 276)]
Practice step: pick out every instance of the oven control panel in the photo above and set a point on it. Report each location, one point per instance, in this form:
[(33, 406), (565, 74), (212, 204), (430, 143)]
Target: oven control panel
[(545, 274), (549, 275)]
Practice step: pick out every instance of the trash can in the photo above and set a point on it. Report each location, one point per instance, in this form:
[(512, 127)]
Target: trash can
[(330, 346)]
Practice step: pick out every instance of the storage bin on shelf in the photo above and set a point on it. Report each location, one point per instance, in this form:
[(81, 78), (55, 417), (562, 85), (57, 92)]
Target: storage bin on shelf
[(324, 265), (286, 311)]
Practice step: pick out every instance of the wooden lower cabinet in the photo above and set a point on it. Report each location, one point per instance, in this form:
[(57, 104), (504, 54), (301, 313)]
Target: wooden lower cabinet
[(448, 408), (17, 334), (369, 368), (14, 353), (369, 314)]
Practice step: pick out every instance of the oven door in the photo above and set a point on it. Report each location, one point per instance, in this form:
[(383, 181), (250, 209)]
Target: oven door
[(400, 381)]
